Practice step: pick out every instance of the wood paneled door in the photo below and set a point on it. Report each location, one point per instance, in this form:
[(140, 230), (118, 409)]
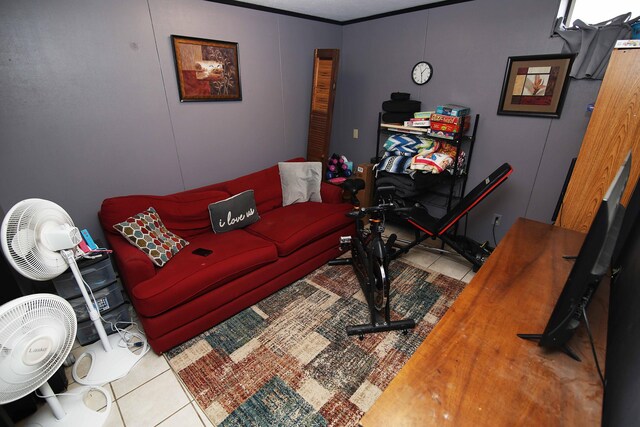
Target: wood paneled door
[(614, 129), (323, 90)]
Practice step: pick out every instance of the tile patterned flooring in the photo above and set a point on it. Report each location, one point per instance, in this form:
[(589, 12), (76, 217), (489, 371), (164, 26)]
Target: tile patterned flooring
[(152, 395)]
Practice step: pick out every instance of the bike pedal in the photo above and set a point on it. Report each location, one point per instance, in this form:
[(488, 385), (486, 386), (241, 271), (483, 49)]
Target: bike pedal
[(345, 242), (390, 242)]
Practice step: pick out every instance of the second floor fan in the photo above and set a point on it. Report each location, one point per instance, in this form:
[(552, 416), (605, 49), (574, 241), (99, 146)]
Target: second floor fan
[(40, 241), (36, 335)]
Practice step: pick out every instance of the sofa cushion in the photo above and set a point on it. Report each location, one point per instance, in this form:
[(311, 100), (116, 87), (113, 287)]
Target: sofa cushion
[(291, 227), (265, 185), (300, 182), (147, 232), (188, 275), (233, 213), (185, 214)]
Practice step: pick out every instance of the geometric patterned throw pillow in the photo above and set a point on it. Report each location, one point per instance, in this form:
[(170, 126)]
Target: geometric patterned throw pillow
[(175, 242), (147, 232)]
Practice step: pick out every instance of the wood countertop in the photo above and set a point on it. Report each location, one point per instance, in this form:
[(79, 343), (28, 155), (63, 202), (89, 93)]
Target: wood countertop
[(472, 369)]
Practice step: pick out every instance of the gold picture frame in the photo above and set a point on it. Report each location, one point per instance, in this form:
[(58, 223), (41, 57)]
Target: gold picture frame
[(207, 70)]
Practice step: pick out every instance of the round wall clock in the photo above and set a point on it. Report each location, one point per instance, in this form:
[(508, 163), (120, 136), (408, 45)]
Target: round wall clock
[(421, 72)]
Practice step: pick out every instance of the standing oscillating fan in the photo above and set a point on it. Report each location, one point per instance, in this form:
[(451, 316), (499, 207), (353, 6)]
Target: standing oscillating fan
[(39, 239), (36, 336)]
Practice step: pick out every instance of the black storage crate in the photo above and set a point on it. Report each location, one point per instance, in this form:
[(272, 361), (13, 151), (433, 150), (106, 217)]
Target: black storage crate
[(87, 332), (97, 275), (106, 299)]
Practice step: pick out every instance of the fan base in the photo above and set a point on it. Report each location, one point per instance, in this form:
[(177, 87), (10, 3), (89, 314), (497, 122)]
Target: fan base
[(77, 413), (107, 366)]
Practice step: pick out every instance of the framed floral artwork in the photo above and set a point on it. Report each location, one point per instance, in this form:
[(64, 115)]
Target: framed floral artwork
[(207, 70), (535, 85)]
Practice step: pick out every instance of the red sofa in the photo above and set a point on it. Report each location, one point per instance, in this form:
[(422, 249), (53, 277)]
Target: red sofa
[(191, 293)]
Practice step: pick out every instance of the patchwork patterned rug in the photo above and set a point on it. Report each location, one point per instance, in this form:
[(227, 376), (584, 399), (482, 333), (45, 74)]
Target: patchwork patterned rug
[(288, 361)]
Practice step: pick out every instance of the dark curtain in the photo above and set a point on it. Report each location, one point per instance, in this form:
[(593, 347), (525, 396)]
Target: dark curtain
[(593, 43)]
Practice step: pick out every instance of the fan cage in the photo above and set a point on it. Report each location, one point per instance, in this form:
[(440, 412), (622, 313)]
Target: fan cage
[(22, 242), (21, 321)]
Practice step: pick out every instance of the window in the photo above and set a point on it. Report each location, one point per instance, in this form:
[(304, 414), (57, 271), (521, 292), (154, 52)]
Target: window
[(593, 11)]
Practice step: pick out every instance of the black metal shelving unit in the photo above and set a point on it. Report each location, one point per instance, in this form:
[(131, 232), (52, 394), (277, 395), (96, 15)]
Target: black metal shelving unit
[(458, 178)]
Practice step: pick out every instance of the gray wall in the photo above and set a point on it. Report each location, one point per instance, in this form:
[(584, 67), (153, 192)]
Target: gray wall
[(468, 45), (90, 102)]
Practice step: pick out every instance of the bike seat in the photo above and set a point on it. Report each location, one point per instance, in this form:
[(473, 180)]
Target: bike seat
[(353, 185), (356, 214)]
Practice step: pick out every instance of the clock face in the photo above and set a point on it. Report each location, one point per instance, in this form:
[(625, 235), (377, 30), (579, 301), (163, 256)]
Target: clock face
[(421, 72)]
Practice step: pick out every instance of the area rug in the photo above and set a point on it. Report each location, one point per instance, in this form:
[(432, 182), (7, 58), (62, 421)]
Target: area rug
[(287, 361)]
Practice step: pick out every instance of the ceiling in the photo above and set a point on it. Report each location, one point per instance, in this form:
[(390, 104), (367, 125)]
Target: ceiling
[(340, 11)]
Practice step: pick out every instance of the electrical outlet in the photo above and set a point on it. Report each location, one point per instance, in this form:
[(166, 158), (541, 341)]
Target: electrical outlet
[(496, 219), (355, 134)]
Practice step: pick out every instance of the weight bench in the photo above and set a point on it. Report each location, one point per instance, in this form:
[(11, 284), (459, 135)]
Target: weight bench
[(441, 228)]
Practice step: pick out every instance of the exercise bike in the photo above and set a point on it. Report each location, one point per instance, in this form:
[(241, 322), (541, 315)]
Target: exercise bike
[(370, 257)]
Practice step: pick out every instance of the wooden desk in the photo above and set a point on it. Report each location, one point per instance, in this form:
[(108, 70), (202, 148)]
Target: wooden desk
[(473, 370)]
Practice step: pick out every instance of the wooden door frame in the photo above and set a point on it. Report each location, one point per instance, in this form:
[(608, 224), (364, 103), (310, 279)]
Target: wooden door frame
[(324, 54)]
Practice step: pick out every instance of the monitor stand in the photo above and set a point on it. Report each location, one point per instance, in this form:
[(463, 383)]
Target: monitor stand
[(564, 348)]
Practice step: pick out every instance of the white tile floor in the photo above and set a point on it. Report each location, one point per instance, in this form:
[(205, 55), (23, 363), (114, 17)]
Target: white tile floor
[(152, 395), (429, 255)]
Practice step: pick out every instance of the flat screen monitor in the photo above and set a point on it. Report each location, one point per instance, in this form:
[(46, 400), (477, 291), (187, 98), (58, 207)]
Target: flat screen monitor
[(622, 373), (590, 265), (631, 217)]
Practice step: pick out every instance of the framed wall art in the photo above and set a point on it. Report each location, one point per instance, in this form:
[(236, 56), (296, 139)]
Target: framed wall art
[(207, 70), (535, 85)]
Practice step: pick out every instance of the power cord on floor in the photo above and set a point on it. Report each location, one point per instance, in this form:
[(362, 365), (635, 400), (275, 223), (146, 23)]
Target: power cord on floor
[(593, 347), (65, 393)]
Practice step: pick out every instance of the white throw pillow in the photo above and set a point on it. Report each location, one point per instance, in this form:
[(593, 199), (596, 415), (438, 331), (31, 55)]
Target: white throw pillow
[(300, 182)]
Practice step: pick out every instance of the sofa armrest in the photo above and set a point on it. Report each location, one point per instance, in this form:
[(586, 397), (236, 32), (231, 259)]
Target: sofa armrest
[(133, 265), (330, 193)]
